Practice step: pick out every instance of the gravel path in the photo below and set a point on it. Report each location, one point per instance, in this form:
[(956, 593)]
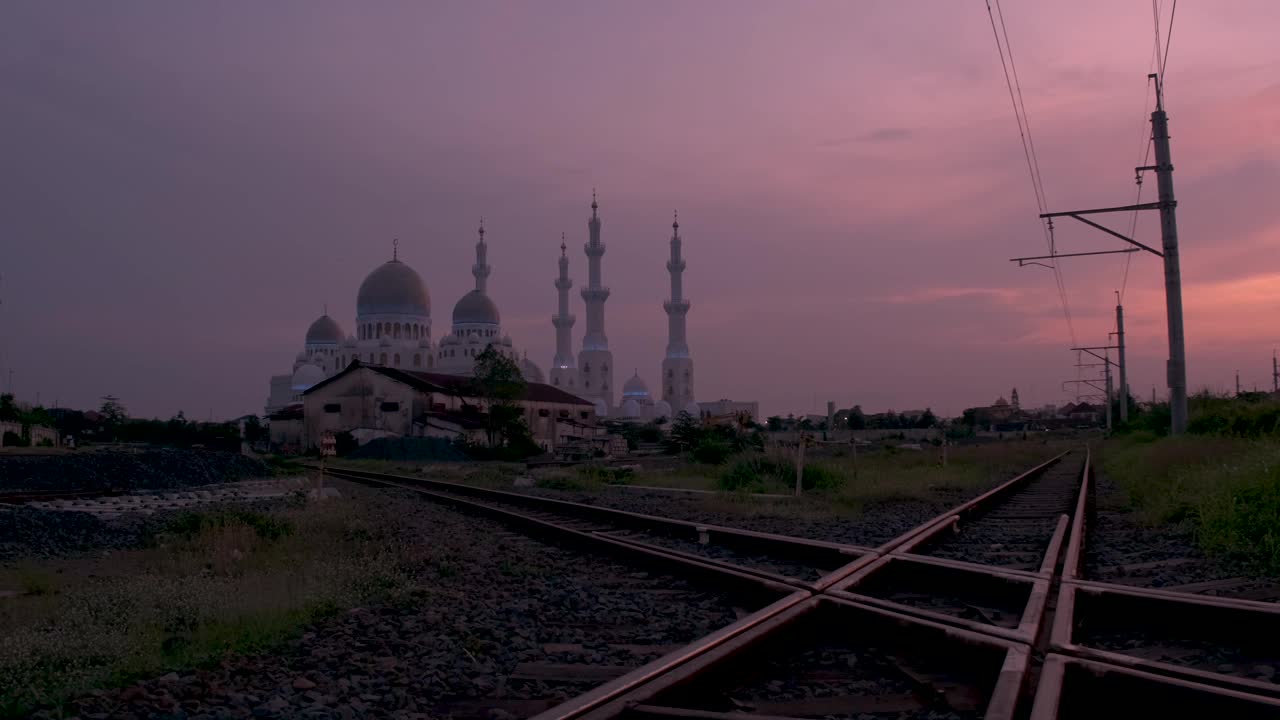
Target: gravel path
[(1120, 549), (499, 626)]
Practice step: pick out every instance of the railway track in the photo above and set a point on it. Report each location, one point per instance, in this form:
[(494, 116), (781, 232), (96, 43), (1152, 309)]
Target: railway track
[(981, 612), (798, 562)]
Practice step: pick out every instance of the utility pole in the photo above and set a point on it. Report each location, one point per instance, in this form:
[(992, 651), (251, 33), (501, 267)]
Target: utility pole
[(1172, 264), (1124, 375), (1176, 368), (1237, 384), (1275, 373), (1107, 369)]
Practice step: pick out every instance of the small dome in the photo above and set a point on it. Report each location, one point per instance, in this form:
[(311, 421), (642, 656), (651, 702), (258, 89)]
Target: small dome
[(301, 356), (635, 387), (630, 408), (531, 371), (693, 409), (393, 288), (662, 409), (475, 307), (306, 376), (324, 331)]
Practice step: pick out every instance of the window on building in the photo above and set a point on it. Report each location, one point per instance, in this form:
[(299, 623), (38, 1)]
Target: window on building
[(382, 359), (377, 331), (332, 407), (370, 357), (544, 413), (390, 407), (584, 414), (671, 373), (604, 368), (564, 413), (555, 380), (417, 360), (586, 383), (586, 367), (396, 360)]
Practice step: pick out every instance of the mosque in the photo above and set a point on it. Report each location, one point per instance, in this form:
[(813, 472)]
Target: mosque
[(393, 329)]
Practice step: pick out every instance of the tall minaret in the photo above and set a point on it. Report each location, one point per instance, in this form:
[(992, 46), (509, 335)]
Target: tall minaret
[(595, 362), (564, 369), (677, 366), (481, 269)]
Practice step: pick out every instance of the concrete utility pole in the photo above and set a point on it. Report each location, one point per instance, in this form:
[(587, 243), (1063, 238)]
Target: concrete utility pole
[(1172, 265), (1237, 384), (1275, 373), (1177, 364), (1124, 375), (1109, 394)]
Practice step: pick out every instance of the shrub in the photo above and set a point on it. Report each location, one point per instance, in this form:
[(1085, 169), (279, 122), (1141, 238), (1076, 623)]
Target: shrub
[(711, 451), (265, 526)]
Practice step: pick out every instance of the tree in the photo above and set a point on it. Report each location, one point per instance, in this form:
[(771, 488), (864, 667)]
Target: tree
[(969, 417), (8, 408), (686, 431), (773, 422), (500, 384), (857, 419), (927, 420), (113, 415), (253, 430)]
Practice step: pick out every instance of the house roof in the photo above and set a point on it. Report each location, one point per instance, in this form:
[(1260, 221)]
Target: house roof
[(457, 385), (466, 421)]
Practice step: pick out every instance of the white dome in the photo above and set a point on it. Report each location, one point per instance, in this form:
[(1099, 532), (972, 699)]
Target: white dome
[(531, 371), (306, 376), (630, 408), (475, 307), (662, 409), (635, 387), (393, 288), (693, 409), (324, 331)]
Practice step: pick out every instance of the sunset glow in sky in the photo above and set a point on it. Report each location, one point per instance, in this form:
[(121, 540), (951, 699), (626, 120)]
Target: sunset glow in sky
[(186, 186)]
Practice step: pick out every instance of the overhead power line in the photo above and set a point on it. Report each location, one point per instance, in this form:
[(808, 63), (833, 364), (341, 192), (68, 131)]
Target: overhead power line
[(1014, 85)]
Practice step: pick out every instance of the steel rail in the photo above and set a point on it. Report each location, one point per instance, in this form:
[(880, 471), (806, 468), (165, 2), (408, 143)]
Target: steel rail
[(600, 704), (502, 512), (650, 553), (785, 545)]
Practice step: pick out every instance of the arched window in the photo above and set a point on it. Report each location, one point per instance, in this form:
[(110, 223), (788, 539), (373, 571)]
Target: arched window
[(417, 360), (396, 360), (555, 380), (586, 367), (382, 359), (370, 357), (671, 373), (415, 332), (586, 383), (377, 331), (604, 368)]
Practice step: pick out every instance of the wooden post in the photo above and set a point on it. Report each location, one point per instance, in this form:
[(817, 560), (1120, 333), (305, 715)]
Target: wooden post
[(800, 466)]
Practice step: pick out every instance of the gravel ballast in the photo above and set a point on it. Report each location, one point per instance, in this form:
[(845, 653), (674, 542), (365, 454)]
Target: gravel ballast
[(124, 470), (496, 626)]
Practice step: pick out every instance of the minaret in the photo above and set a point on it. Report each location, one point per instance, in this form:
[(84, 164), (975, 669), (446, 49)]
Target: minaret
[(677, 366), (481, 269), (564, 369), (1013, 399), (595, 362)]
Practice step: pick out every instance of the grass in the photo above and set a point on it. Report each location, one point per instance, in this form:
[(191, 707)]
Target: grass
[(1227, 489), (215, 583), (839, 483)]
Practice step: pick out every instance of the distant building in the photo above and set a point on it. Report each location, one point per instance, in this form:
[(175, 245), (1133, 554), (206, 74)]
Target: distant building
[(372, 401), (723, 407)]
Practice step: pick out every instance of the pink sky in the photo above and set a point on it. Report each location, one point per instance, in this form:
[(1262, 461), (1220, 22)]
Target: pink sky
[(187, 185)]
